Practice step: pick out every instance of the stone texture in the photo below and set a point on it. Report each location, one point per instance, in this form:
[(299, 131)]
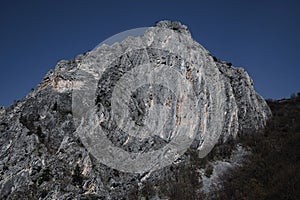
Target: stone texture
[(44, 156)]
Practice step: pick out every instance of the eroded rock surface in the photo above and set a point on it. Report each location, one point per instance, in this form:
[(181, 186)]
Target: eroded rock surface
[(149, 95)]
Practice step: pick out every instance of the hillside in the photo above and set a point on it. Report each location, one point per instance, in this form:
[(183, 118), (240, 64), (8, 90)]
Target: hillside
[(272, 171)]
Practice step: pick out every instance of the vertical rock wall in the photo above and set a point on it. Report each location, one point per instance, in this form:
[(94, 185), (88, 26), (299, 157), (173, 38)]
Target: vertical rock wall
[(149, 100)]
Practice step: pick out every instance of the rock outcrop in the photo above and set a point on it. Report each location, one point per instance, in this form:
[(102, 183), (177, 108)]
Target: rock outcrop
[(123, 118)]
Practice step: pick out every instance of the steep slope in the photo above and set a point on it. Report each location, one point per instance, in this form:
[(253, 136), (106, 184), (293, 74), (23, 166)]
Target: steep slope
[(135, 119)]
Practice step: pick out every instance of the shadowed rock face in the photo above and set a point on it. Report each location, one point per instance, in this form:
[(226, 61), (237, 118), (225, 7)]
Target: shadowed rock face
[(146, 96)]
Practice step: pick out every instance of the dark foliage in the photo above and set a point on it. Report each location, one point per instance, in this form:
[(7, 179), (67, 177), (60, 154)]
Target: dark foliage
[(273, 170), (77, 176), (46, 176)]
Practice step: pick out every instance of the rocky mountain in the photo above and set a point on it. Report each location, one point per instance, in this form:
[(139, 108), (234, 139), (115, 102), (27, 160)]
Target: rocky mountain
[(136, 120)]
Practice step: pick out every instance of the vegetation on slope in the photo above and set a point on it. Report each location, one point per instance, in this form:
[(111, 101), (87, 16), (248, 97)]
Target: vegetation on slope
[(272, 171)]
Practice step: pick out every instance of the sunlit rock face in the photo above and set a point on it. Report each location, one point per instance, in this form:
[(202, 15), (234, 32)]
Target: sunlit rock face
[(103, 124), (167, 80)]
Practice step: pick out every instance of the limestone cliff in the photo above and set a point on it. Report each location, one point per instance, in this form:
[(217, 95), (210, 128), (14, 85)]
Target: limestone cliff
[(120, 120)]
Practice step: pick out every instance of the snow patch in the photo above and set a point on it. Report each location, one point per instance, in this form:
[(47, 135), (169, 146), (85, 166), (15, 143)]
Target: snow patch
[(221, 167)]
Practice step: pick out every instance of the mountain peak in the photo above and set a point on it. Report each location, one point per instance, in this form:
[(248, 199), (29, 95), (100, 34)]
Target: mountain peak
[(107, 122)]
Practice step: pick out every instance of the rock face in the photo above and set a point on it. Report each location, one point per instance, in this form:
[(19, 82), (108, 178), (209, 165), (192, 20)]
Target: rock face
[(119, 121)]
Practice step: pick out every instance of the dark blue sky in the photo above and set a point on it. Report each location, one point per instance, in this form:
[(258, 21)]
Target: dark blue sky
[(261, 36)]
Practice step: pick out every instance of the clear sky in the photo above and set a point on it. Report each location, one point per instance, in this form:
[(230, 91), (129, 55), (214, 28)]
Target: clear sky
[(261, 36)]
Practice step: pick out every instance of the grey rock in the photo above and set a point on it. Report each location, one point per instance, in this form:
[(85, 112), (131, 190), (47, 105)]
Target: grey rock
[(43, 154)]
